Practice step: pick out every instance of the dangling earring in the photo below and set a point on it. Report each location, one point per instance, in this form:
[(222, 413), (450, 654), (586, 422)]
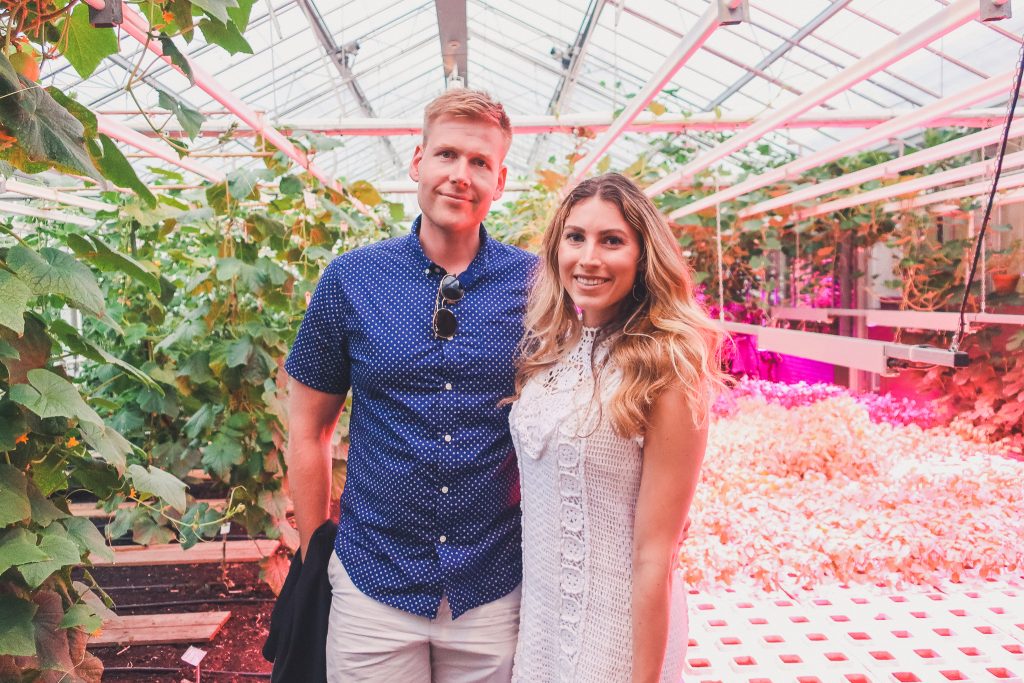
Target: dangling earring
[(637, 294)]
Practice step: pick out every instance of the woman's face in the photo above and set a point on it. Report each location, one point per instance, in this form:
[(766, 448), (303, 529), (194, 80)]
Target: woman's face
[(598, 257)]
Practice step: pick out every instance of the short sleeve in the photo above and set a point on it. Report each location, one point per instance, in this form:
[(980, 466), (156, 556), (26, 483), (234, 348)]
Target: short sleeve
[(319, 357)]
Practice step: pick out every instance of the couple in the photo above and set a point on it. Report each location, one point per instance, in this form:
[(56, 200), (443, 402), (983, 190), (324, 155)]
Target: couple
[(608, 363)]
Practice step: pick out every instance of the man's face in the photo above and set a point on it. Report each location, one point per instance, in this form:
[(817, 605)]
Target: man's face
[(460, 171)]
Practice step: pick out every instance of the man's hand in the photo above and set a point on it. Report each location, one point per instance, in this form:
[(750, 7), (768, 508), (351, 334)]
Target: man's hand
[(312, 417)]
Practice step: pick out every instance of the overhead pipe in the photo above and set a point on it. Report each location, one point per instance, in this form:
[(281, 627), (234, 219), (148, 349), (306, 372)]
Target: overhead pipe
[(943, 22), (123, 133), (981, 168), (717, 14), (57, 216), (968, 143), (572, 123), (954, 194), (42, 192), (979, 92)]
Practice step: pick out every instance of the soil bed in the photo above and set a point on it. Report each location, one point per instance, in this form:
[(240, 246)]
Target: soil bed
[(151, 590)]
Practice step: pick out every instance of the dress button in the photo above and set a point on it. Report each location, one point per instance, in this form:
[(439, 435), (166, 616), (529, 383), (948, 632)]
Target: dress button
[(427, 271), (448, 386), (443, 539), (448, 437), (444, 489)]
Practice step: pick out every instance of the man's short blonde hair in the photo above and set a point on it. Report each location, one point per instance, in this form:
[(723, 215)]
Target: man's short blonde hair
[(472, 104)]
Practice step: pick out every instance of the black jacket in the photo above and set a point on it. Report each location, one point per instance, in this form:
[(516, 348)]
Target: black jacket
[(297, 642)]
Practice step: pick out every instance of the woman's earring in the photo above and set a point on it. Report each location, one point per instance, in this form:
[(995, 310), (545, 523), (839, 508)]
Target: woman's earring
[(637, 294)]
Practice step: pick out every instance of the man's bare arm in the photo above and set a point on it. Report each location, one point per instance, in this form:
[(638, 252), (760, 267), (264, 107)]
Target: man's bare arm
[(312, 417)]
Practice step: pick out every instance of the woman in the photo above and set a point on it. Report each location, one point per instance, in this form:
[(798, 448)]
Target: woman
[(609, 422)]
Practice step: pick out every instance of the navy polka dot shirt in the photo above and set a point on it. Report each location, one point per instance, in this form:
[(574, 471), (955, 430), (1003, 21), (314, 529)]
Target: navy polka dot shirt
[(431, 500)]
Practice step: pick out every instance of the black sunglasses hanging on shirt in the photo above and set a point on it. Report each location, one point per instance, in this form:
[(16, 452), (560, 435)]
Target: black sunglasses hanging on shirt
[(450, 291)]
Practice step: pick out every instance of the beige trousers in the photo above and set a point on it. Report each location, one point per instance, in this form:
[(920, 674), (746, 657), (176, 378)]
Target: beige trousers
[(370, 641)]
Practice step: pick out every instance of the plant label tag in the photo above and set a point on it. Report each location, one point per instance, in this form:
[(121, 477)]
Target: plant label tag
[(193, 655), (225, 528), (309, 199)]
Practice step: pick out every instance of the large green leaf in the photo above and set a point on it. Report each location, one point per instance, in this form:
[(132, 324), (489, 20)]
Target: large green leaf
[(107, 259), (240, 15), (114, 165), (222, 454), (163, 485), (147, 531), (83, 346), (51, 271), (225, 35), (84, 115), (190, 119), (61, 551), (86, 46), (88, 537), (239, 352), (49, 395), (14, 298), (177, 59), (17, 636), (14, 503), (216, 8), (108, 444), (18, 546), (82, 615), (47, 135), (44, 512)]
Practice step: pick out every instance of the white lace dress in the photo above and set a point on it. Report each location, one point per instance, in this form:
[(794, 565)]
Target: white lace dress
[(579, 489)]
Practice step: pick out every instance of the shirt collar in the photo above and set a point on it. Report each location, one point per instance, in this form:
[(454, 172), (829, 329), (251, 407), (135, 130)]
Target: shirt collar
[(476, 268)]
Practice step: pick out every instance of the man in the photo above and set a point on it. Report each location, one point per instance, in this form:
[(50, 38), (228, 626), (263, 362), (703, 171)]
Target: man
[(423, 329)]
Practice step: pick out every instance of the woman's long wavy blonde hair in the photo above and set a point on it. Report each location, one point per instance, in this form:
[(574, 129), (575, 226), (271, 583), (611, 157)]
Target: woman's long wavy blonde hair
[(667, 337)]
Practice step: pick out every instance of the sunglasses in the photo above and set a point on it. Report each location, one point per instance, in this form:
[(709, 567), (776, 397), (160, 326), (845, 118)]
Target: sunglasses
[(450, 291)]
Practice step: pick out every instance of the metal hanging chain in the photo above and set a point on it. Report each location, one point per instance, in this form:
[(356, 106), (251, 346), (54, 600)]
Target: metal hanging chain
[(979, 243)]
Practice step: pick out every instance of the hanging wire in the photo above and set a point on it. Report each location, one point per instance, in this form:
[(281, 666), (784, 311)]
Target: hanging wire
[(979, 245), (721, 270)]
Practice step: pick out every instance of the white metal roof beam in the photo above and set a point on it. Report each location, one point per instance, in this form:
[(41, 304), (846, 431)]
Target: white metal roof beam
[(337, 55), (968, 143), (942, 23), (718, 13), (824, 40), (595, 121), (454, 33), (570, 74), (979, 92), (55, 216), (954, 194), (953, 175), (773, 56)]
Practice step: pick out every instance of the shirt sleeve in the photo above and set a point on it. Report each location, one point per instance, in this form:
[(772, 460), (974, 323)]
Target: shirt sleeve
[(319, 357)]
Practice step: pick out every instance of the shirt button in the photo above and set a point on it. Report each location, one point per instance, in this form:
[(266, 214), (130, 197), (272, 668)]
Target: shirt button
[(448, 437), (448, 386), (427, 271), (443, 539), (444, 489)]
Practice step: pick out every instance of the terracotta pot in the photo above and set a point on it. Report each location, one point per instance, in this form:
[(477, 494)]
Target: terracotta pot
[(1005, 283)]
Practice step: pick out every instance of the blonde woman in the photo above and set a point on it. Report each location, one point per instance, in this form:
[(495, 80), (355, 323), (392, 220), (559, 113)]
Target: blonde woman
[(610, 423)]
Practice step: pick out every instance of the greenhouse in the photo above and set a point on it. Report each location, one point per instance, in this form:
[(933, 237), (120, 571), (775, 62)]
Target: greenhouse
[(490, 340)]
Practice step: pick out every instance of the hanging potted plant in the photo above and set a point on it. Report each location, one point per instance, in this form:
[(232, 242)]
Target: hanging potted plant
[(1005, 266)]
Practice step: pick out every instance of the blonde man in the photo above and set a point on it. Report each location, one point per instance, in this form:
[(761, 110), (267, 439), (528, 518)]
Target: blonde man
[(423, 329)]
